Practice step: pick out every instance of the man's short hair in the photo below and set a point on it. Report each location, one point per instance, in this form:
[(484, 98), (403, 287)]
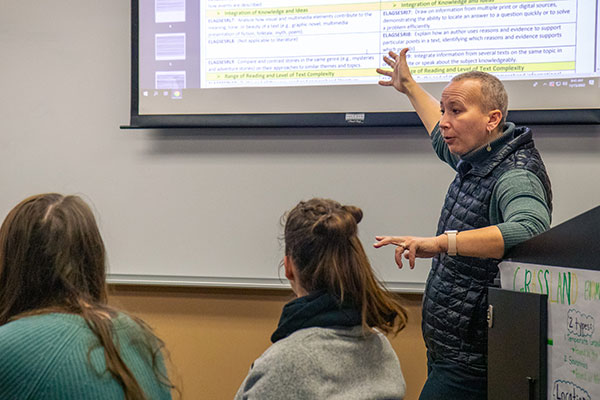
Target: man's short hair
[(493, 93)]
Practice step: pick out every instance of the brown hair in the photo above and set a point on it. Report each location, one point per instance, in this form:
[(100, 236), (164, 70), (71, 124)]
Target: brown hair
[(493, 93), (321, 239), (52, 259)]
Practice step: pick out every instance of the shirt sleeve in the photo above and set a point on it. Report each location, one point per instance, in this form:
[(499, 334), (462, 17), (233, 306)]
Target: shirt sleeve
[(441, 148), (522, 206)]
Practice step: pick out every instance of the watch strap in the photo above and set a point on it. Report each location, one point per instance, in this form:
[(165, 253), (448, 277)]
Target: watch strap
[(451, 242)]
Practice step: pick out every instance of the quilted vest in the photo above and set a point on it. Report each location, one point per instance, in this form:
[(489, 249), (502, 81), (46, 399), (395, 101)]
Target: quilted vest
[(455, 301)]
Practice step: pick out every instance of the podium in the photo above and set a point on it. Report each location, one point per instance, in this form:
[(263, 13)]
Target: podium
[(521, 372), (544, 321)]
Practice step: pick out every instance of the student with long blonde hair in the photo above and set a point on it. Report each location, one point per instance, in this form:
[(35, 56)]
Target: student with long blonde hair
[(59, 339), (330, 342)]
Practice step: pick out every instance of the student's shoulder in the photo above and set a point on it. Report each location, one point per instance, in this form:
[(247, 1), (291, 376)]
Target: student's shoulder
[(124, 322), (130, 329), (42, 323), (300, 347), (36, 330), (283, 371), (292, 349), (31, 346)]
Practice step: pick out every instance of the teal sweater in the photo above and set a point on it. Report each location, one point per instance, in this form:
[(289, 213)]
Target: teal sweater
[(46, 357), (519, 205)]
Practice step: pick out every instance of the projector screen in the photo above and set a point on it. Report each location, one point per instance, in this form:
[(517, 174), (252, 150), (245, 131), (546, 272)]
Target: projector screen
[(312, 63)]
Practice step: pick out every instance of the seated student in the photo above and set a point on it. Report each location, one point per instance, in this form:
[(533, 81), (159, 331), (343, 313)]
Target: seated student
[(330, 341), (58, 337)]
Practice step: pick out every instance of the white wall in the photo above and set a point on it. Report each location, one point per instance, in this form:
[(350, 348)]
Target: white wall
[(206, 203)]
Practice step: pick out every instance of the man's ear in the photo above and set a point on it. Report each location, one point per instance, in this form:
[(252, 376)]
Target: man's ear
[(494, 118), (289, 269)]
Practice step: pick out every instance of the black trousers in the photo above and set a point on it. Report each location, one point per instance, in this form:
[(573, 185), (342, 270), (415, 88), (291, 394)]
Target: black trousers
[(449, 381)]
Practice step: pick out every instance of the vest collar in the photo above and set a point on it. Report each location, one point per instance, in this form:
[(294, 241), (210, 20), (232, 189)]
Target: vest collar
[(481, 162)]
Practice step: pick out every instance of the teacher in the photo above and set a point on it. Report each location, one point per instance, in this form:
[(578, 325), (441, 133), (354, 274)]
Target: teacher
[(500, 197)]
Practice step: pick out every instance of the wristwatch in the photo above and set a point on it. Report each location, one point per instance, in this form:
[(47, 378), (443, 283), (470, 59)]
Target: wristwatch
[(451, 242)]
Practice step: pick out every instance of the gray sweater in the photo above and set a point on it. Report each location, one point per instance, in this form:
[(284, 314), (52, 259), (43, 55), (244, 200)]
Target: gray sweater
[(326, 363)]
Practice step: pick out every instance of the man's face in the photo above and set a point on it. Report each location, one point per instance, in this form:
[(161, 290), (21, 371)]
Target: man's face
[(463, 123)]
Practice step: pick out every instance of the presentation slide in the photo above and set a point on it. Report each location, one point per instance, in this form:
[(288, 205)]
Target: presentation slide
[(298, 56)]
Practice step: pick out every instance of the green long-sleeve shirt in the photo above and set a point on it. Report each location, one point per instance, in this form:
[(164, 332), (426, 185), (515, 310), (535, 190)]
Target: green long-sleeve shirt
[(518, 205), (46, 357)]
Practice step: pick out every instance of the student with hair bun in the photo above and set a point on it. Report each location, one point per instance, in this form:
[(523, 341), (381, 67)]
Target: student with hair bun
[(59, 339), (330, 342)]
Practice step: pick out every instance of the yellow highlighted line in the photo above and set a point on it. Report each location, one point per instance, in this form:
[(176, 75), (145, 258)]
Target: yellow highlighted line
[(447, 3), (494, 68), (369, 72), (257, 12), (326, 73), (358, 7)]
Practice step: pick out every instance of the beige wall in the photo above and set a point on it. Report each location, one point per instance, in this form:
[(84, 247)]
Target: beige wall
[(213, 335)]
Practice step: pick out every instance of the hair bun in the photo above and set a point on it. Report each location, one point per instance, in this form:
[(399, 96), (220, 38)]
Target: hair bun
[(338, 223), (355, 212)]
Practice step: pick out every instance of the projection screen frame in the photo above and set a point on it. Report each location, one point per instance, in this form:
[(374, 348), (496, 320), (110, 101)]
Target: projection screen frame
[(574, 116)]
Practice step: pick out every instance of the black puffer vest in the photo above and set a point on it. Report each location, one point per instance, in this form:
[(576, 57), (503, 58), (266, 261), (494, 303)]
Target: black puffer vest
[(455, 300)]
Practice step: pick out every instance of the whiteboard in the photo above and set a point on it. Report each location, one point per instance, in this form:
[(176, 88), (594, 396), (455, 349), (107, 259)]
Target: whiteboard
[(179, 208), (572, 308)]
